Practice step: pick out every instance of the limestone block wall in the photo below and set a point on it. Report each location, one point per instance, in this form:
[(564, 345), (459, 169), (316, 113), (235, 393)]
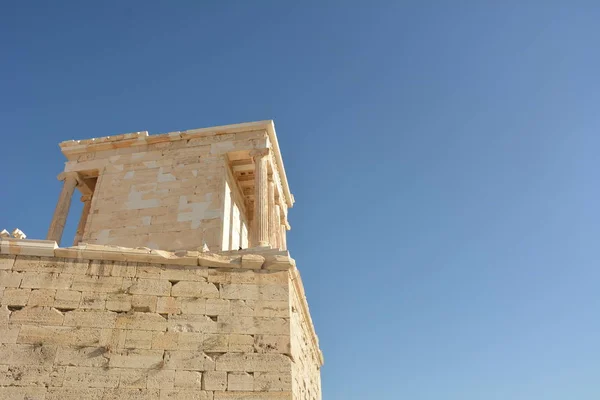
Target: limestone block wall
[(164, 193), (73, 328)]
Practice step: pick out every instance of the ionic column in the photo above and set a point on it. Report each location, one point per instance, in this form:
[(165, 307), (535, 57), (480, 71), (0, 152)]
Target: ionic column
[(59, 219), (261, 201), (87, 204)]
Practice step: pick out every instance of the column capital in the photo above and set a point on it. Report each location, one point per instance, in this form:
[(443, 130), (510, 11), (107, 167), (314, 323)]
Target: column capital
[(259, 153), (63, 176)]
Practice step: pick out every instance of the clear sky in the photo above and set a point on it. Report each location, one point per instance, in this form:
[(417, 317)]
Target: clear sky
[(443, 156)]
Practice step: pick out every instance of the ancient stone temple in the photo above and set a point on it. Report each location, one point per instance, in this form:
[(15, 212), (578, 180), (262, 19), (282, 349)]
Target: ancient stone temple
[(177, 285)]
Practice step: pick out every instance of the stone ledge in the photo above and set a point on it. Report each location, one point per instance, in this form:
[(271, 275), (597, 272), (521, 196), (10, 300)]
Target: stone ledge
[(28, 247), (246, 259)]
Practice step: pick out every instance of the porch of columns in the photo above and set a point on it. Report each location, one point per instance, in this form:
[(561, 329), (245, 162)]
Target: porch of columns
[(59, 219)]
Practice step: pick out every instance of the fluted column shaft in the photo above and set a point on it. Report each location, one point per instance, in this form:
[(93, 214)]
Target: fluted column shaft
[(261, 200), (272, 221)]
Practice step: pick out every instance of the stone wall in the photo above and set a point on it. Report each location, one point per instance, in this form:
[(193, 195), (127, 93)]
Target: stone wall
[(100, 329)]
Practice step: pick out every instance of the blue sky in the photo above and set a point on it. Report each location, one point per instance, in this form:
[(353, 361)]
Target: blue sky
[(443, 158)]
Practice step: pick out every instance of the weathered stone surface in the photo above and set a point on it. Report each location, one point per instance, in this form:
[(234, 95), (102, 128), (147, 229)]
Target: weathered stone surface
[(41, 297), (30, 375), (26, 354), (91, 377), (192, 305), (46, 280), (11, 279), (93, 301), (68, 392), (113, 339), (37, 316), (250, 362), (272, 382), (144, 303), (131, 394), (240, 381), (20, 392), (184, 273), (218, 307), (6, 262), (185, 394), (118, 302), (214, 380), (40, 264), (137, 339), (188, 379), (260, 308), (188, 360), (280, 344), (83, 356), (239, 343), (254, 292), (90, 319), (276, 262), (252, 261), (195, 289), (161, 379), (9, 334), (215, 342), (168, 305), (67, 299), (252, 396), (97, 284), (141, 321), (137, 358), (59, 335), (253, 325), (154, 287), (15, 297), (165, 340), (191, 323), (189, 340)]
